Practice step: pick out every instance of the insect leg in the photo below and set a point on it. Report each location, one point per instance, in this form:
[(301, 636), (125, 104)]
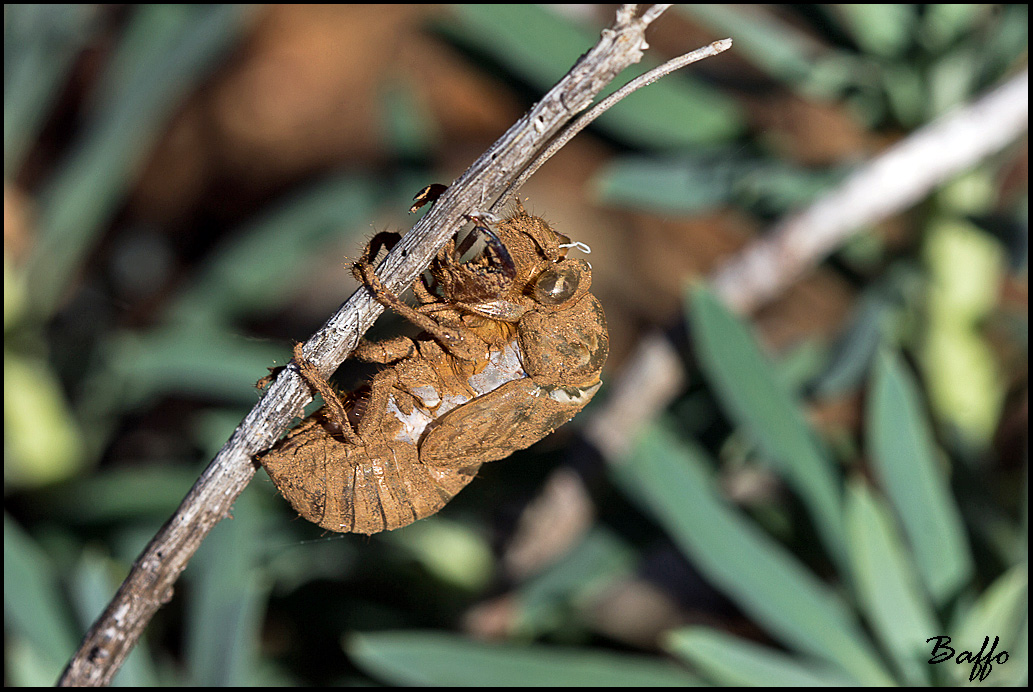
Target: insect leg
[(422, 292), (427, 195), (459, 341), (384, 239), (380, 390), (497, 247), (386, 351), (337, 412)]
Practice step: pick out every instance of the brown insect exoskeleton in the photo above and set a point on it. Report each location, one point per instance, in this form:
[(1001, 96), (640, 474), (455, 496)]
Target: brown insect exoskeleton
[(512, 347)]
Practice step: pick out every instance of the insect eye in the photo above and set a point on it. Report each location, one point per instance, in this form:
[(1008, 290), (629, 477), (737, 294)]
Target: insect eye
[(556, 285)]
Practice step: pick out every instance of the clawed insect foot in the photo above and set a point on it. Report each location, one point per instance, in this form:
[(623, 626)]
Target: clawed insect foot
[(363, 270), (268, 379), (427, 195), (498, 248), (482, 218), (338, 415)]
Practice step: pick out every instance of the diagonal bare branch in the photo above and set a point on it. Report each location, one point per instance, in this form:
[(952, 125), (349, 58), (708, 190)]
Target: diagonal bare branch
[(151, 579)]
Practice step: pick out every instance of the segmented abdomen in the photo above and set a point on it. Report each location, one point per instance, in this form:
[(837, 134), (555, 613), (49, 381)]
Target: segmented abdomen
[(348, 488)]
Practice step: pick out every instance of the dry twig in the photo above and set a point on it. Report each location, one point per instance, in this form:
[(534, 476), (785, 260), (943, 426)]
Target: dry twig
[(893, 181), (150, 581)]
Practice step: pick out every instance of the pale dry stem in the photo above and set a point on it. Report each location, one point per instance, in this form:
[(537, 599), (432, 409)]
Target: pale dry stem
[(150, 581)]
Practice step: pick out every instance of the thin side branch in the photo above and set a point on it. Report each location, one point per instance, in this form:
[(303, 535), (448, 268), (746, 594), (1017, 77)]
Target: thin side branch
[(586, 118), (151, 579), (895, 180)]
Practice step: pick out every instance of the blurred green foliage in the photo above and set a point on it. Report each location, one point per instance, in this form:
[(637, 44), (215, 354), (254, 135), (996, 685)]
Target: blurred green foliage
[(884, 541)]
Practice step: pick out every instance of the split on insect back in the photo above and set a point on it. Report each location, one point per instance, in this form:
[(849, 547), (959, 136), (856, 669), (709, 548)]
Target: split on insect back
[(513, 344)]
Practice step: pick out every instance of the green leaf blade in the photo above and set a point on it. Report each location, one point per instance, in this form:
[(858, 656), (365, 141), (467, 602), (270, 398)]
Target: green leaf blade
[(165, 51), (437, 658), (1002, 610), (729, 660), (754, 396), (32, 611), (767, 582), (889, 591), (901, 446), (223, 619)]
